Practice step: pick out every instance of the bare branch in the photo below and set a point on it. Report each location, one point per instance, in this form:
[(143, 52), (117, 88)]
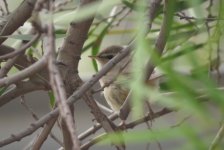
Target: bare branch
[(219, 136), (163, 36), (8, 65), (16, 55), (104, 108), (24, 73), (21, 62), (96, 127), (69, 55), (154, 6), (77, 95), (93, 141), (153, 116), (29, 145), (34, 115), (72, 99), (44, 133), (6, 7), (17, 18), (132, 124), (107, 125), (20, 89), (22, 49), (58, 86)]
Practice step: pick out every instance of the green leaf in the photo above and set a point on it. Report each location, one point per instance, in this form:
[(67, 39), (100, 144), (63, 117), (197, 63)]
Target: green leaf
[(144, 136), (94, 51), (23, 37), (2, 90), (86, 12), (88, 44), (133, 6), (60, 31), (58, 36), (52, 98), (98, 41), (182, 51)]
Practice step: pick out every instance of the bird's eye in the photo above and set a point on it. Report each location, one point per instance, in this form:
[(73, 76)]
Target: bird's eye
[(109, 56)]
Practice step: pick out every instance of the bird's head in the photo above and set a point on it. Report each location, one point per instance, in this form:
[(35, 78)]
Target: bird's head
[(107, 54)]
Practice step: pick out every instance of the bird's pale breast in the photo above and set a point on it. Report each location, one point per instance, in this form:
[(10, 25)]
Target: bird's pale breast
[(115, 95)]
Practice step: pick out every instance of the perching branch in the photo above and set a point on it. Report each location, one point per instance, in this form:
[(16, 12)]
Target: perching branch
[(72, 99), (61, 74), (96, 127), (130, 125), (107, 125)]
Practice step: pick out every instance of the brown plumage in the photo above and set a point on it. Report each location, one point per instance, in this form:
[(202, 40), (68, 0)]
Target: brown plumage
[(116, 91)]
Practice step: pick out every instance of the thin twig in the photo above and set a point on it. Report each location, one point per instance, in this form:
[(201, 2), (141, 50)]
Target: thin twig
[(20, 89), (107, 124), (29, 145), (18, 17), (41, 138), (219, 136), (154, 6), (75, 97), (21, 49), (130, 125), (18, 57), (95, 128), (32, 69), (72, 99), (181, 122), (104, 108), (59, 6), (34, 115), (22, 62), (183, 16), (8, 65), (6, 7), (159, 46)]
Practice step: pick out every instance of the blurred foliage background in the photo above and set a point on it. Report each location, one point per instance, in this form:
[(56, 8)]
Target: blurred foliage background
[(192, 62)]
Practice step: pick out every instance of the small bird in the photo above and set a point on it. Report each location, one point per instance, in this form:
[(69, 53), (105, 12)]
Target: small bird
[(115, 89)]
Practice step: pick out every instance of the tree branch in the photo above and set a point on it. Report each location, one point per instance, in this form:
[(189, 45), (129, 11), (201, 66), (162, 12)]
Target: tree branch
[(44, 133), (58, 86), (72, 99), (69, 55), (16, 55), (34, 68), (36, 145), (17, 18), (219, 136), (132, 124), (21, 62), (107, 125), (96, 127), (159, 46), (21, 49), (20, 89)]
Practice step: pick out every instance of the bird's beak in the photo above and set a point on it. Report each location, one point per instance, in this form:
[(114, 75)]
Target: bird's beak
[(92, 57)]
